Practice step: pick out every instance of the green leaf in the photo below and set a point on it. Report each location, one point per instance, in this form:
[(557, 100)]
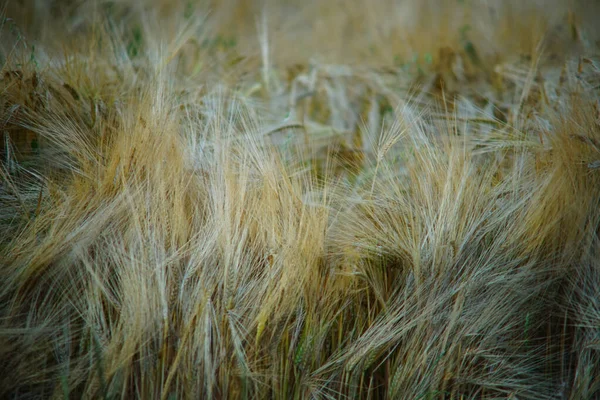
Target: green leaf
[(135, 44)]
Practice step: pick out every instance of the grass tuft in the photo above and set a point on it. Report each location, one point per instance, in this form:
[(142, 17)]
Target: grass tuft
[(290, 200)]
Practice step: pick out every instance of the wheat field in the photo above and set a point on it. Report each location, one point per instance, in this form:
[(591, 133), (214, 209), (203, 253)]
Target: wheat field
[(300, 199)]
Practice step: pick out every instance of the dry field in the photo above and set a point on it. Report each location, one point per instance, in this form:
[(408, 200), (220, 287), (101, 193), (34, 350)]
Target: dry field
[(300, 199)]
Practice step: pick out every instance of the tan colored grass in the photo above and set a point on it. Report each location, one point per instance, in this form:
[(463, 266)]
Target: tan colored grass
[(324, 199)]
